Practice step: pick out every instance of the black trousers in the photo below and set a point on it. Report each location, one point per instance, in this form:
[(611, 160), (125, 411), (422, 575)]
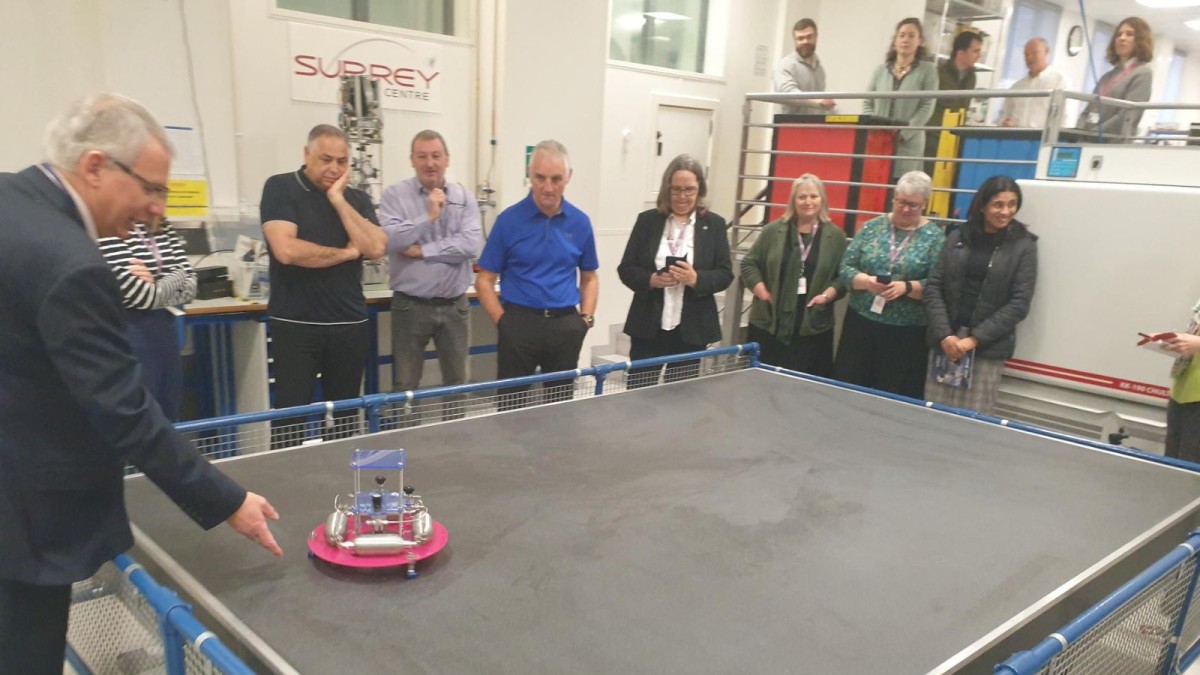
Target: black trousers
[(1183, 431), (812, 354), (33, 627), (664, 343), (882, 356), (338, 353), (529, 340)]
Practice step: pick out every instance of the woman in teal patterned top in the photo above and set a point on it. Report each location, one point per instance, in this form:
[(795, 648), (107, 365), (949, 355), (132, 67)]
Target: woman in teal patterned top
[(883, 339)]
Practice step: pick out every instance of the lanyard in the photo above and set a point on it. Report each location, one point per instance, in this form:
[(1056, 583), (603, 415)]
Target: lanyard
[(894, 251), (805, 250), (679, 243), (150, 243), (1108, 86)]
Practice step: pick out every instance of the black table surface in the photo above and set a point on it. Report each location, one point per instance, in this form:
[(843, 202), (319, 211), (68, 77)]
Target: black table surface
[(748, 522)]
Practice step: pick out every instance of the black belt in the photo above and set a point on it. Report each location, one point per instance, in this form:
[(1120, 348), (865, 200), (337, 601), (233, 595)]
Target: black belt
[(548, 313), (428, 301)]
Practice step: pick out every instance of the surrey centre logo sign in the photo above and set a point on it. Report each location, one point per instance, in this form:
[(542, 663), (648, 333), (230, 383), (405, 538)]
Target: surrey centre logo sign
[(409, 72)]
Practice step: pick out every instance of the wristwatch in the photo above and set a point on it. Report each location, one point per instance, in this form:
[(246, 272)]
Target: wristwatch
[(588, 319)]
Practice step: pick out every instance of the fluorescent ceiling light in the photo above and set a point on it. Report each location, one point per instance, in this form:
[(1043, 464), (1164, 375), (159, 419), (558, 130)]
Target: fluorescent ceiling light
[(1168, 4), (1194, 24), (672, 16)]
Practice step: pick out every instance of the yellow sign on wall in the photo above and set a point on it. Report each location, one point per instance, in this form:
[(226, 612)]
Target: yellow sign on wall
[(187, 198)]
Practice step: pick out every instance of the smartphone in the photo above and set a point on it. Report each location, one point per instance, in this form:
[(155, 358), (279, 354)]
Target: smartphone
[(885, 278), (671, 260)]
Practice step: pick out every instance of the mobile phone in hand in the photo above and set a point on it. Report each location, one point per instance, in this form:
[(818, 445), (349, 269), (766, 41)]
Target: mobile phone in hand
[(671, 260)]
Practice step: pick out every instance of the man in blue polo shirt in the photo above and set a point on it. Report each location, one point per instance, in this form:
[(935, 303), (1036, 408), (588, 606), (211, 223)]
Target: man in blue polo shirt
[(535, 248)]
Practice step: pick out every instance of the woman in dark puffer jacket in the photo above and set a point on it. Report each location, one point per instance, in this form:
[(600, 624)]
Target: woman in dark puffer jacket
[(978, 292)]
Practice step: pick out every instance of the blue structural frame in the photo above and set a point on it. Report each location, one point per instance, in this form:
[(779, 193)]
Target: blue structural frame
[(179, 624)]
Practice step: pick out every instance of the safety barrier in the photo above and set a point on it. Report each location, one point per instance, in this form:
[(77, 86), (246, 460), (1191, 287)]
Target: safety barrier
[(122, 621), (1145, 626)]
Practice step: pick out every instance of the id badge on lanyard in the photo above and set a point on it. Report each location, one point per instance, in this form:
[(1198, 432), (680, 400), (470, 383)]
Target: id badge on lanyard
[(894, 252), (802, 283)]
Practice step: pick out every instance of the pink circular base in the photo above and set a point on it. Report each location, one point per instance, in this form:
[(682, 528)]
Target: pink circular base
[(345, 558)]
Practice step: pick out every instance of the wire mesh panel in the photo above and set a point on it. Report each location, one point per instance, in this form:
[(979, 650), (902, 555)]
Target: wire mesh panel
[(113, 629), (258, 432), (404, 414), (636, 377), (1136, 637), (1191, 627)]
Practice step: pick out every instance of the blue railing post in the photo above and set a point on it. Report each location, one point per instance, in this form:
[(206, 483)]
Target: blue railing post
[(600, 377), (373, 405), (172, 641)]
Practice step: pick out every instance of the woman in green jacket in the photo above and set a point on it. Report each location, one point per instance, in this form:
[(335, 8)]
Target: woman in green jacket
[(792, 269)]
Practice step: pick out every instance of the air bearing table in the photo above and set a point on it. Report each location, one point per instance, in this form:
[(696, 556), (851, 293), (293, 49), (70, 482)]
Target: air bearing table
[(744, 522)]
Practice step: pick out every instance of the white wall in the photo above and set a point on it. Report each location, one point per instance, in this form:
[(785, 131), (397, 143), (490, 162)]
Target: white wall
[(855, 35), (271, 128), (632, 94)]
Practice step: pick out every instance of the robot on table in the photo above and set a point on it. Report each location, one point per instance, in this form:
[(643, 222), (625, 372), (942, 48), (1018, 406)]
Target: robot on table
[(383, 522)]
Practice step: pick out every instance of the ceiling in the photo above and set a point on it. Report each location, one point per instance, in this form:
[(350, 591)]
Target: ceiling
[(1165, 22)]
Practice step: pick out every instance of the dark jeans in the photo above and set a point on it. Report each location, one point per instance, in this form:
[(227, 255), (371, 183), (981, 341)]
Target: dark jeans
[(528, 340), (155, 342), (33, 627), (338, 353), (415, 322), (882, 356), (812, 354), (1183, 431), (664, 343)]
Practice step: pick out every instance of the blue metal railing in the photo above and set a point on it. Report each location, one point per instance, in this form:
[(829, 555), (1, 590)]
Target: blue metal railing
[(1033, 660), (178, 624)]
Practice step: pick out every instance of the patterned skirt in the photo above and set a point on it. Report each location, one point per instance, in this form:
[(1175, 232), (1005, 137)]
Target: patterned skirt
[(980, 396)]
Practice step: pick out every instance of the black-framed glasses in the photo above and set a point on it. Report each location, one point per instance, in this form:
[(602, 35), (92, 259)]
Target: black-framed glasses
[(689, 191), (152, 189)]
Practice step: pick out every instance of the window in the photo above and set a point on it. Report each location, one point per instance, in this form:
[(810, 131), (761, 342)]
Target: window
[(1030, 19), (1101, 36), (1174, 83), (429, 16), (663, 33)]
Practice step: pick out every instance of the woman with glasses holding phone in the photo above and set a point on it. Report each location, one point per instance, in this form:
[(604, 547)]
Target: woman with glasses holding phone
[(676, 260), (792, 269), (153, 274), (978, 292), (886, 266)]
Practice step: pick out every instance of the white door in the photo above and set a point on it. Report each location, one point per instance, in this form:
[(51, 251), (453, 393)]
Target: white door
[(680, 130)]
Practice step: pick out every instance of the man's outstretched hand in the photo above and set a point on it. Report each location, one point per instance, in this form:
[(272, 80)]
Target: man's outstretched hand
[(250, 520)]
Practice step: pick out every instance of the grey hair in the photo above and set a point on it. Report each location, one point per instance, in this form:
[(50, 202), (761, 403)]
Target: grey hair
[(810, 179), (554, 149), (428, 135), (1040, 41), (916, 183), (323, 130), (683, 163), (112, 124)]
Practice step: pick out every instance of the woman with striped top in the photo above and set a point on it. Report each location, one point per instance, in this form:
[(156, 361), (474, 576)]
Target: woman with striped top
[(153, 274)]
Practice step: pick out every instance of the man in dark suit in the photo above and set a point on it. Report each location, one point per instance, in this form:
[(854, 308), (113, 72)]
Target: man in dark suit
[(73, 410)]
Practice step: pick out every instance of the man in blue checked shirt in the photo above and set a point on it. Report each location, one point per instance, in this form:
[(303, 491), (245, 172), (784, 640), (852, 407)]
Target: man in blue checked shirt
[(433, 234), (536, 248)]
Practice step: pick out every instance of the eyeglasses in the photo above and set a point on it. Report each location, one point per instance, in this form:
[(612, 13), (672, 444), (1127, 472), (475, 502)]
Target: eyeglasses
[(153, 190), (911, 206), (688, 191)]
